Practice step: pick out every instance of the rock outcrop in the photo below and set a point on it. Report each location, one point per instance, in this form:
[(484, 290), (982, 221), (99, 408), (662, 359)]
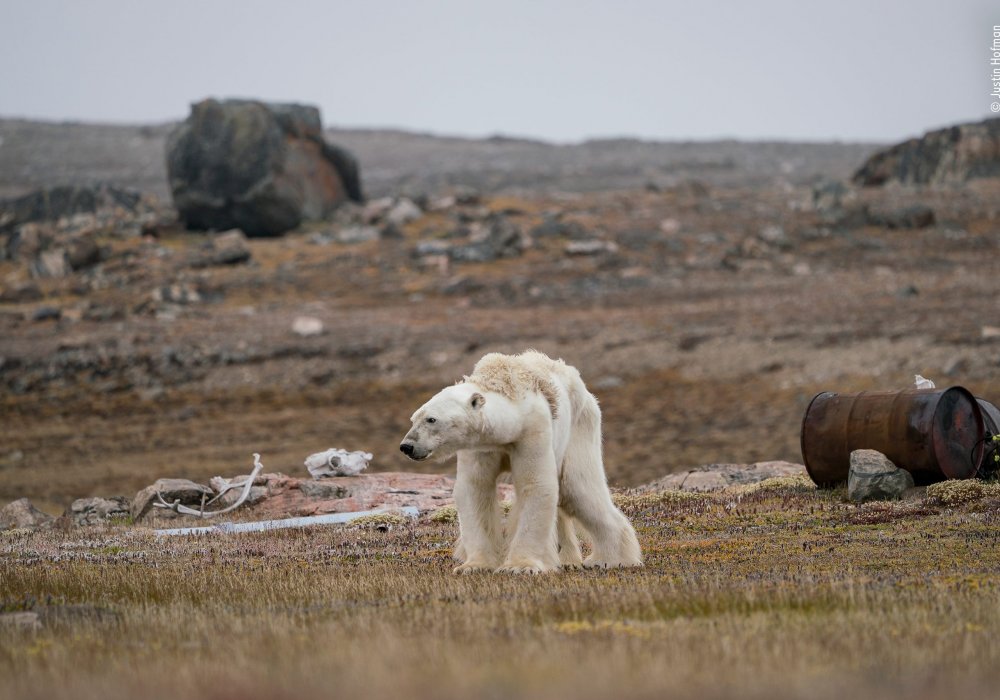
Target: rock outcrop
[(263, 168), (955, 154)]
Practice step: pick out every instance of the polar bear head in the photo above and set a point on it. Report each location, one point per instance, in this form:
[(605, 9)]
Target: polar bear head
[(451, 421)]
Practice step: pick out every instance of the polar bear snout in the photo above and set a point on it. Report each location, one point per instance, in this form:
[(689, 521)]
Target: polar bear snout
[(414, 452)]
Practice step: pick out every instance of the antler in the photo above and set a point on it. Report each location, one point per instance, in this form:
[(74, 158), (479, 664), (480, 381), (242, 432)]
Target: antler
[(247, 485)]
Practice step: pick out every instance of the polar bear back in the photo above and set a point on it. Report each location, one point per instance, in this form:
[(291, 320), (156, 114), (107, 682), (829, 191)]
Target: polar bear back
[(515, 376)]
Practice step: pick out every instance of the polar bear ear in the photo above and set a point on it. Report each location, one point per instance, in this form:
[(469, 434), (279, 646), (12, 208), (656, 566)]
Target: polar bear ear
[(478, 400)]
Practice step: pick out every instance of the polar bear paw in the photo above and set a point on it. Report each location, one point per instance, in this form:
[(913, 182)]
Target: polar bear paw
[(472, 567), (525, 566)]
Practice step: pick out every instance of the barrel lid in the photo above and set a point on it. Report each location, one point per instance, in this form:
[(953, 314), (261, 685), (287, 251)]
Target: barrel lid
[(957, 434)]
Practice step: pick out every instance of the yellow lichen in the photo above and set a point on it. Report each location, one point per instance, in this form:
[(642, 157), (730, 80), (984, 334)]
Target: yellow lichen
[(378, 521), (445, 514), (955, 492), (795, 483)]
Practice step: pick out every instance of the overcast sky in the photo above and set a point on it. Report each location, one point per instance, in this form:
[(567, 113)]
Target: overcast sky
[(560, 70)]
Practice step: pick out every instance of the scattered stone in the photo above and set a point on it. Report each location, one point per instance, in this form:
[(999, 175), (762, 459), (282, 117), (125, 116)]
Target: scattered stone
[(227, 248), (51, 263), (592, 247), (21, 292), (498, 238), (910, 217), (187, 492), (874, 477), (83, 252), (669, 227), (609, 382), (775, 235), (403, 212), (425, 248), (97, 511), (21, 513), (358, 234), (555, 227), (46, 313), (990, 332), (951, 155), (307, 326), (263, 168), (183, 294)]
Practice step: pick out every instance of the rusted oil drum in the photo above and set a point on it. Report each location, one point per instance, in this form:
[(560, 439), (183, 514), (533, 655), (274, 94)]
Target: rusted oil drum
[(991, 416), (934, 434)]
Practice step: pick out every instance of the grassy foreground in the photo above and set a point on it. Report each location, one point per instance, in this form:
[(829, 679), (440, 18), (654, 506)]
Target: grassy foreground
[(775, 591)]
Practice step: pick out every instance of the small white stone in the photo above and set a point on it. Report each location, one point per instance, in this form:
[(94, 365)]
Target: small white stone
[(306, 326)]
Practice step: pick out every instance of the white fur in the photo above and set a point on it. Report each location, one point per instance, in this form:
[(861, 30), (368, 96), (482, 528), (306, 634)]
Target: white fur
[(532, 416)]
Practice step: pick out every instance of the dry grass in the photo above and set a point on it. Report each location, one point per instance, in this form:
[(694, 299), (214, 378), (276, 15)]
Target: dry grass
[(781, 593)]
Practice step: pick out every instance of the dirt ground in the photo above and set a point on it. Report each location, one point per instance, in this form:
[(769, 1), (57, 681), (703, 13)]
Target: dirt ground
[(704, 335)]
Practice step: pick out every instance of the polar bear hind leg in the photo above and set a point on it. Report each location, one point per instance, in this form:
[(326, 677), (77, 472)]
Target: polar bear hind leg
[(584, 495), (570, 556)]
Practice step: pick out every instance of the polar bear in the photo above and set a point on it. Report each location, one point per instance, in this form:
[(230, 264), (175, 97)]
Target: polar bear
[(532, 416)]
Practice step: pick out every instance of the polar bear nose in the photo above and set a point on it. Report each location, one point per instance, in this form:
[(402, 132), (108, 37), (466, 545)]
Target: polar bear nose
[(406, 448)]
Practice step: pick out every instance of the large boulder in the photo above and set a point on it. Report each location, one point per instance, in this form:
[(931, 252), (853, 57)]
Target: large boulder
[(263, 168), (21, 513), (955, 154), (873, 477)]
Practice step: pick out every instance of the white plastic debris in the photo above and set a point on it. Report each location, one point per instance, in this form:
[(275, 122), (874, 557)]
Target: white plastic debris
[(268, 525), (337, 462), (922, 383), (307, 326)]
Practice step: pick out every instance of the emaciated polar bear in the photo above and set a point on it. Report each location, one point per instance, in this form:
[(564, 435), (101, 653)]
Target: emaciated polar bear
[(532, 416)]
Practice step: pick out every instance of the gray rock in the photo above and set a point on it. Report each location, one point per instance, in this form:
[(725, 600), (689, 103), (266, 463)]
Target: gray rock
[(358, 234), (500, 238), (83, 252), (954, 154), (51, 263), (26, 291), (96, 511), (403, 212), (54, 203), (263, 168), (227, 248), (187, 492), (593, 247), (21, 513), (322, 489), (873, 477), (914, 216)]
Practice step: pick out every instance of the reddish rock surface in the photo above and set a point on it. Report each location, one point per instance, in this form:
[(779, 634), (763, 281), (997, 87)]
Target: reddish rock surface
[(294, 497)]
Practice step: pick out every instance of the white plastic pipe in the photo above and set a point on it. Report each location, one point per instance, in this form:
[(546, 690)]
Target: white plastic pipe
[(267, 525)]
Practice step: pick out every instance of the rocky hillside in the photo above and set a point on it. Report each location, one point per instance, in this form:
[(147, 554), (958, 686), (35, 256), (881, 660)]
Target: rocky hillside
[(34, 154)]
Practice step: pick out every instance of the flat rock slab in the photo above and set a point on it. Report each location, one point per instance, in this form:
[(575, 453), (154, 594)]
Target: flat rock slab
[(289, 496), (714, 477)]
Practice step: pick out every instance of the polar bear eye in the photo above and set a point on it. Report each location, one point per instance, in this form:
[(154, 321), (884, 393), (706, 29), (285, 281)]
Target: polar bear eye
[(432, 419)]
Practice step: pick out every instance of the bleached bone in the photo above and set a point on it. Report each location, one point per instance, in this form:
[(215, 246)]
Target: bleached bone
[(337, 462), (247, 485)]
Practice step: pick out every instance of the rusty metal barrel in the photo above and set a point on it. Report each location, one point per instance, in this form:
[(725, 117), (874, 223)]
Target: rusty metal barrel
[(934, 434)]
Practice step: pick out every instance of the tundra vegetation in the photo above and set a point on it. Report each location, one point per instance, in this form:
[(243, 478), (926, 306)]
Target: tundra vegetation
[(777, 590)]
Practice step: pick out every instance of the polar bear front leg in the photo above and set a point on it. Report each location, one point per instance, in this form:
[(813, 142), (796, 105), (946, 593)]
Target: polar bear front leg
[(536, 484), (479, 514)]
